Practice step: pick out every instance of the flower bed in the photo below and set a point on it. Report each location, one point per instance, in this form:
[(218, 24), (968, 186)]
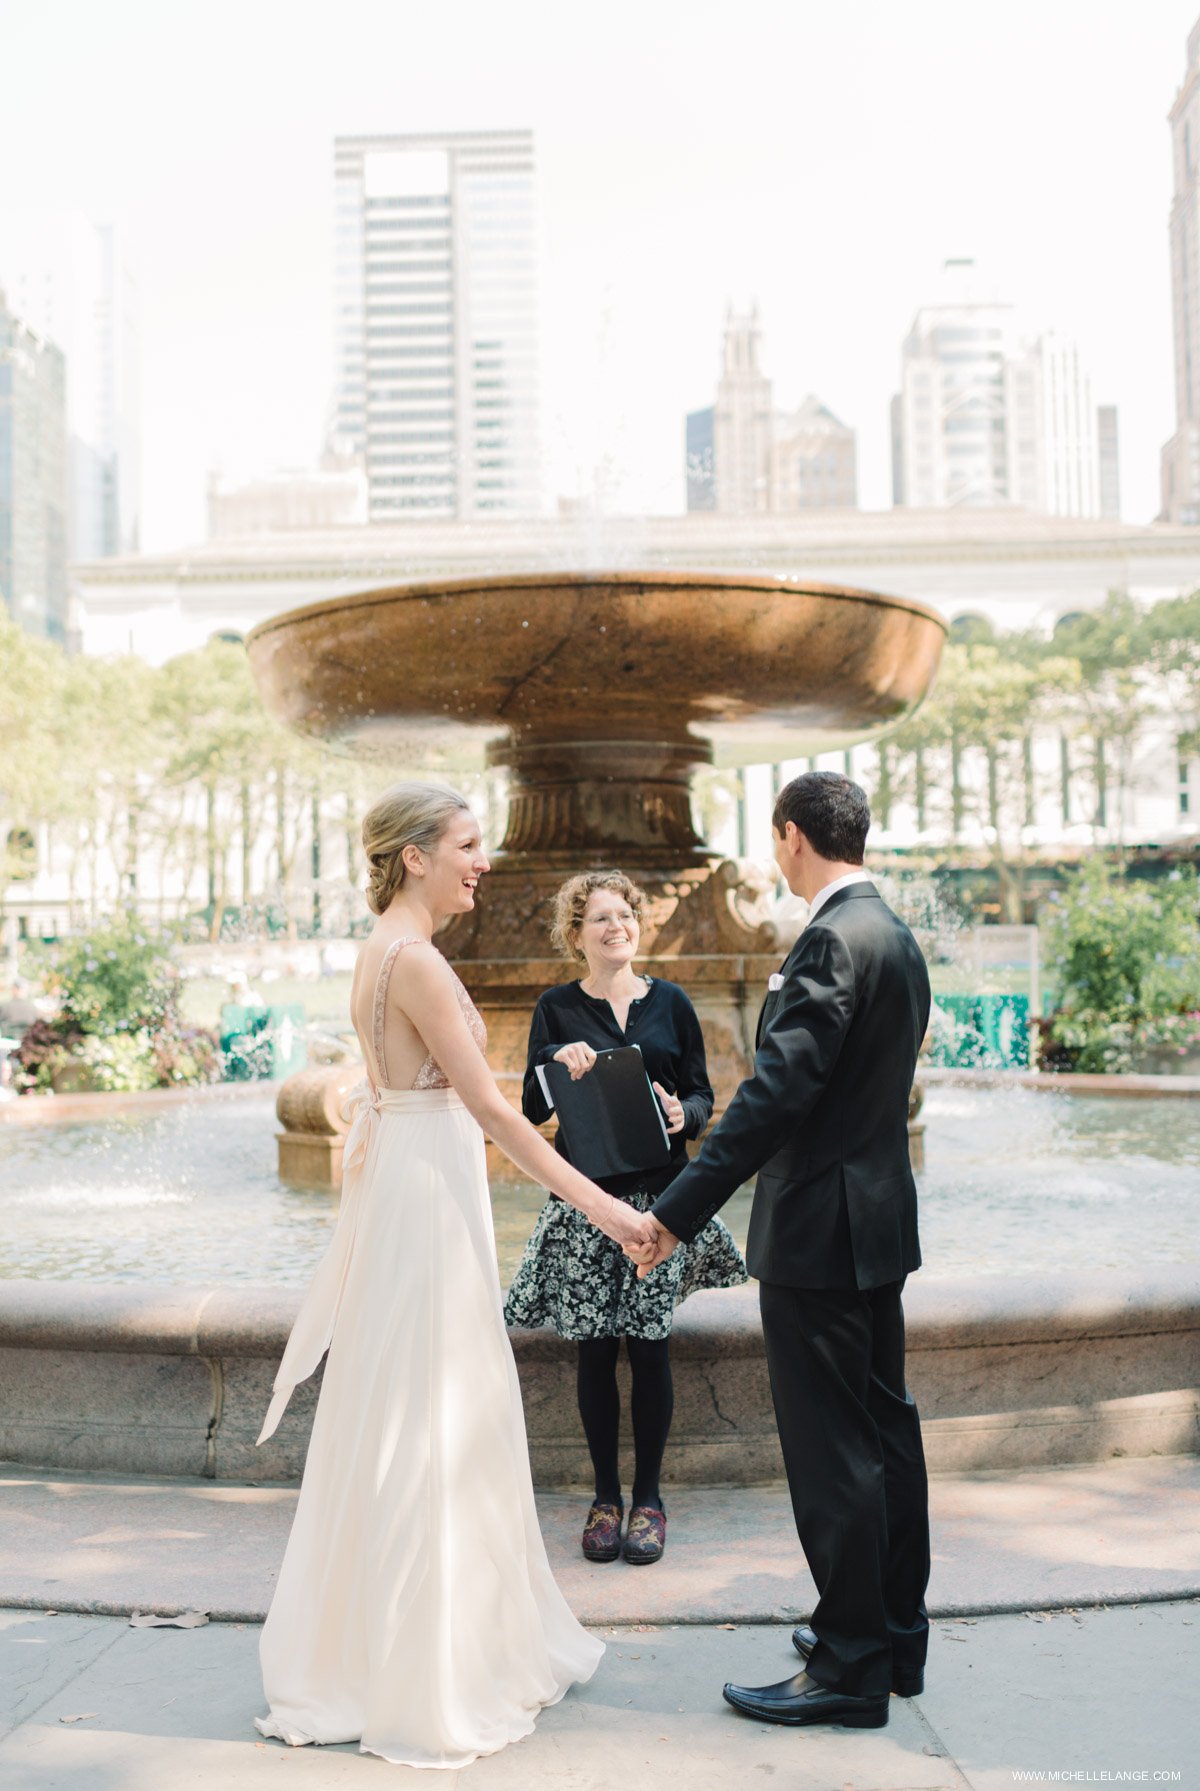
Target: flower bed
[(118, 1028)]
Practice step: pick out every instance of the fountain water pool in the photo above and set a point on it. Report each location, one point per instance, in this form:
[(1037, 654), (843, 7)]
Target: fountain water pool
[(1016, 1182)]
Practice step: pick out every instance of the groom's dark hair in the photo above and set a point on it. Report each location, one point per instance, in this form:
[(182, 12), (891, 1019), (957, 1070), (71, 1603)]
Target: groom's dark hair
[(831, 812)]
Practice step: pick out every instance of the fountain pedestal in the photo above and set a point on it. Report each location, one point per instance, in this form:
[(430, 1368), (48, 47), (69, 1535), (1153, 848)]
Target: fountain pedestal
[(599, 695)]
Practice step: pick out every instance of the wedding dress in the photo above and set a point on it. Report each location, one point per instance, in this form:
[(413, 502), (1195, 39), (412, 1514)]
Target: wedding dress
[(415, 1612)]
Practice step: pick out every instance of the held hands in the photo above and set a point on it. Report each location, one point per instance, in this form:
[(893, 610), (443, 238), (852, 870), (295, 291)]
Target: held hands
[(642, 1238), (648, 1256), (635, 1232), (578, 1058)]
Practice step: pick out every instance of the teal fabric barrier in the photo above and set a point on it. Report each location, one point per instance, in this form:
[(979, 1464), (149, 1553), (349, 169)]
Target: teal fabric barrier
[(261, 1042), (981, 1032)]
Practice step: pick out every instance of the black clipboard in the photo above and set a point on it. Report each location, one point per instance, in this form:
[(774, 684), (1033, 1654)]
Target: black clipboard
[(610, 1119)]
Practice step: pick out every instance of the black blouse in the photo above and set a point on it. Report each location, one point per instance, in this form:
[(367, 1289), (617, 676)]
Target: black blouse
[(662, 1023)]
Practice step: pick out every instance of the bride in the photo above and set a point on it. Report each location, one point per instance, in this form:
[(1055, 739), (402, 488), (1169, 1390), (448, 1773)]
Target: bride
[(416, 1612)]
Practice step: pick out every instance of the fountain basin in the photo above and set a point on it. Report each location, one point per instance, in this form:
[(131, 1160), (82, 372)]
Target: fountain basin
[(742, 668), (188, 1190), (1014, 1361)]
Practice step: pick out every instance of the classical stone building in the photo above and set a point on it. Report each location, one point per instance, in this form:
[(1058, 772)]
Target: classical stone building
[(1016, 569), (282, 502)]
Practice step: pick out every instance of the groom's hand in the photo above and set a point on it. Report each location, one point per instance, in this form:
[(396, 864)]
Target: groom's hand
[(649, 1257), (667, 1241)]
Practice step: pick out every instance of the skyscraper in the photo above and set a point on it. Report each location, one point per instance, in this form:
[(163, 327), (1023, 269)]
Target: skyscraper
[(700, 469), (436, 322), (814, 461), (742, 420), (1181, 455), (70, 281), (988, 415), (33, 478), (744, 457), (1108, 436)]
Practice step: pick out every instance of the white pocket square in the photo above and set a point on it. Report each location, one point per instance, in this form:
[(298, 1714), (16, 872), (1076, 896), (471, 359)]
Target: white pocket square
[(775, 980)]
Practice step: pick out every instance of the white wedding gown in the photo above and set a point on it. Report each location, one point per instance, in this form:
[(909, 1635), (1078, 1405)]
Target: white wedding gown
[(415, 1612)]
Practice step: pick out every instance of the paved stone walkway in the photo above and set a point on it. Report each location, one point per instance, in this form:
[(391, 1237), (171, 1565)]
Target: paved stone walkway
[(1093, 1671), (92, 1705), (1001, 1542)]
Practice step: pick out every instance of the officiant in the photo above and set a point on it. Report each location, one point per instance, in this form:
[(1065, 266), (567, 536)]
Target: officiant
[(571, 1277)]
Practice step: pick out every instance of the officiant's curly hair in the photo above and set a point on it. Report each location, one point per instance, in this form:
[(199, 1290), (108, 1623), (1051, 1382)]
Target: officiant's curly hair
[(407, 814), (572, 900), (830, 810)]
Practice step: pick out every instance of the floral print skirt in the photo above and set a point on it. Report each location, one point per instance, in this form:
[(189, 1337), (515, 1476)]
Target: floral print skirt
[(580, 1283)]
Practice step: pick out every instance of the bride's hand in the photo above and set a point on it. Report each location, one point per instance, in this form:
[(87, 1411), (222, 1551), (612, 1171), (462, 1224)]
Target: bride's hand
[(624, 1224)]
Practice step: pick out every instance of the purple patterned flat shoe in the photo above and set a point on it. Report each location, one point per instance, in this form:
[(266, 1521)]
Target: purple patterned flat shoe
[(646, 1536), (602, 1532)]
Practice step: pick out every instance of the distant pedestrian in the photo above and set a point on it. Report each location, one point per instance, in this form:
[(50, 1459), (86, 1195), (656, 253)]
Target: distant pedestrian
[(17, 1011)]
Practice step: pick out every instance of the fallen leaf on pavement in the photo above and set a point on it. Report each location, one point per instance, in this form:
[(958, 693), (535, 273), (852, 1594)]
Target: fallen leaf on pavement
[(728, 1625), (185, 1620)]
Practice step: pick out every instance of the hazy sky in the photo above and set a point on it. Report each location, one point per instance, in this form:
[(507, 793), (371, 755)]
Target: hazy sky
[(823, 158)]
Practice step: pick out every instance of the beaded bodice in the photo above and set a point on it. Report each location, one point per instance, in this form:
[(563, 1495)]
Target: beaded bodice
[(430, 1074)]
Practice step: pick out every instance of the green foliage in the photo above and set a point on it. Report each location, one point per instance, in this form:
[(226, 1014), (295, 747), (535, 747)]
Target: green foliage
[(1126, 947), (117, 978), (1094, 1043), (1126, 963), (120, 1063)]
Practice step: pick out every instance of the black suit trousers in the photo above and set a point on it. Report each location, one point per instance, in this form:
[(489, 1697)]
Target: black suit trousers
[(856, 1471)]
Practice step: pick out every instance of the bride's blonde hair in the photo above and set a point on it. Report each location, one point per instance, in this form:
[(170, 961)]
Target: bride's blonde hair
[(407, 814)]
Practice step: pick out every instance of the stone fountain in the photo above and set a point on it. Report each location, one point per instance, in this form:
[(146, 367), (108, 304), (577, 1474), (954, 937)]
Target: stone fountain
[(599, 695)]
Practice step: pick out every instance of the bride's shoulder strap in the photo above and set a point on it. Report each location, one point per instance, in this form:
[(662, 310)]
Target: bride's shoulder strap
[(381, 992)]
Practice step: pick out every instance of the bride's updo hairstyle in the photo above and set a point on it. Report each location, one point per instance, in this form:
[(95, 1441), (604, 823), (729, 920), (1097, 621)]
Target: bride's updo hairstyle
[(408, 814)]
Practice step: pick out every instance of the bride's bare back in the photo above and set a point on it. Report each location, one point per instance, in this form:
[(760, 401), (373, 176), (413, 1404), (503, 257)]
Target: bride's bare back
[(393, 1049), (401, 979)]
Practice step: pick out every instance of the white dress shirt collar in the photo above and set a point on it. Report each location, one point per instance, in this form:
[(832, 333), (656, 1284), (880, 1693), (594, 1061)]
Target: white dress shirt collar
[(831, 889)]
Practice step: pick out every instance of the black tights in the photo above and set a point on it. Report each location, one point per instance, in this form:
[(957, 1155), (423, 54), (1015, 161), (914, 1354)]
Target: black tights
[(651, 1405)]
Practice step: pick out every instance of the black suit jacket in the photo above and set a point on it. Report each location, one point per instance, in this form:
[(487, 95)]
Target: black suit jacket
[(823, 1117)]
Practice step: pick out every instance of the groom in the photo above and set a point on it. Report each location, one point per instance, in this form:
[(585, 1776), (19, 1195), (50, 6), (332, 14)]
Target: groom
[(823, 1119)]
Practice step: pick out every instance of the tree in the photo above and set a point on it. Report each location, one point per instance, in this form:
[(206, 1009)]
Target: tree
[(31, 680), (223, 746), (1113, 698)]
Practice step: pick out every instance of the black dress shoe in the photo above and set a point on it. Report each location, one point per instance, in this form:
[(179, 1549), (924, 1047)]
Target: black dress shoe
[(909, 1684), (801, 1700)]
